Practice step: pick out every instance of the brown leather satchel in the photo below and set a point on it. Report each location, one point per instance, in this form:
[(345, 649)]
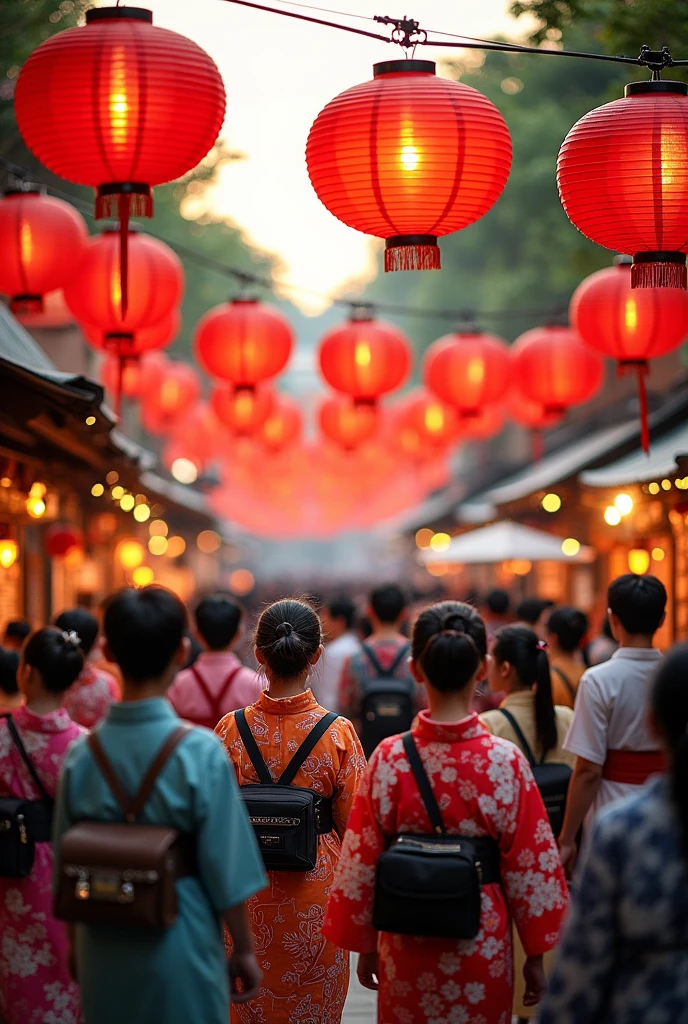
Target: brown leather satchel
[(124, 873)]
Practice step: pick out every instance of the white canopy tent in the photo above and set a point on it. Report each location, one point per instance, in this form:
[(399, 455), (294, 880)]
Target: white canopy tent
[(504, 542)]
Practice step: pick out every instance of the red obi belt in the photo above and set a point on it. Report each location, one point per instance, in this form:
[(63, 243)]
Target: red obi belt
[(633, 767)]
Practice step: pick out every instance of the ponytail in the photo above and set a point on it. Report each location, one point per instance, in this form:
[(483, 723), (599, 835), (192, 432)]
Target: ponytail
[(670, 706), (449, 643), (288, 636), (527, 655), (56, 655)]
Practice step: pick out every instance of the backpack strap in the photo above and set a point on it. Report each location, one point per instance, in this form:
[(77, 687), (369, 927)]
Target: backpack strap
[(318, 731), (17, 740), (385, 673), (566, 681), (131, 807), (423, 783), (255, 756), (214, 703), (519, 733)]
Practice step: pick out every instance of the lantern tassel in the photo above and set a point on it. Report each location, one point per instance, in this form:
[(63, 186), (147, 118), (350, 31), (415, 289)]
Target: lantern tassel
[(659, 273), (641, 373), (412, 252)]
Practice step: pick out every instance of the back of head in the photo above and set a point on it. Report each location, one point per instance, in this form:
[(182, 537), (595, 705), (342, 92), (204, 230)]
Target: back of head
[(82, 623), (449, 643), (288, 636), (670, 707), (217, 620), (388, 603), (531, 608), (568, 626), (17, 630), (639, 603), (56, 655), (144, 630), (498, 602), (526, 653), (342, 607), (9, 663)]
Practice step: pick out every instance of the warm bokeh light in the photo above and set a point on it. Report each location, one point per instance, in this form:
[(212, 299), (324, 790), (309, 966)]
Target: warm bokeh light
[(520, 566), (35, 506), (658, 554), (143, 576), (241, 582), (612, 516), (208, 542), (666, 485), (424, 537), (653, 488), (129, 553), (551, 502), (90, 421), (184, 470), (97, 490), (127, 502), (436, 569), (158, 528), (9, 552), (157, 545), (117, 492), (74, 558), (624, 503), (638, 560), (142, 513), (38, 489), (440, 542), (112, 477), (176, 546), (570, 546)]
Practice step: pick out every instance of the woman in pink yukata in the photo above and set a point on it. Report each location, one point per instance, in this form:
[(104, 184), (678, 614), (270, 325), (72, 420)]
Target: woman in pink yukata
[(35, 985)]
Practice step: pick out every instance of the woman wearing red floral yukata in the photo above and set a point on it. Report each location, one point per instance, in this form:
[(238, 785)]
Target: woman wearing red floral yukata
[(484, 790)]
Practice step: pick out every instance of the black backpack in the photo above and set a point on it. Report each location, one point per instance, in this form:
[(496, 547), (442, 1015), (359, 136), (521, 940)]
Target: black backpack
[(551, 779), (286, 819), (388, 704)]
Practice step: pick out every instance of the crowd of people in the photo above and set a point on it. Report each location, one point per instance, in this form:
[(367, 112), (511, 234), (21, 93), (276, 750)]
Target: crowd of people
[(428, 787)]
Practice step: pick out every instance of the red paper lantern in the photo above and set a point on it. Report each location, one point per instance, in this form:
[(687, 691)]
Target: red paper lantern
[(243, 341), (41, 242), (61, 538), (120, 105), (54, 315), (468, 370), (554, 367), (347, 423), (365, 358), (409, 157), (283, 426), (623, 179), (242, 410), (435, 423), (148, 339), (168, 395), (134, 373)]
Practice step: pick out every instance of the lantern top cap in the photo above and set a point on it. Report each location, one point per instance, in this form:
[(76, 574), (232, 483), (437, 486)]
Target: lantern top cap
[(622, 260), (648, 88), (108, 13), (27, 189), (395, 67)]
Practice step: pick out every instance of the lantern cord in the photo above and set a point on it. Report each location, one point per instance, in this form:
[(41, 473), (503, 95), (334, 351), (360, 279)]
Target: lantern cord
[(641, 373), (315, 21)]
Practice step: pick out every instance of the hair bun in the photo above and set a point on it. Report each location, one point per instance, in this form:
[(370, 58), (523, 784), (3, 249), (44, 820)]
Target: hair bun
[(284, 629), (453, 623)]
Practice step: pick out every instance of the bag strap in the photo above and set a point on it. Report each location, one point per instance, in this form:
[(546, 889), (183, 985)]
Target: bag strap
[(521, 738), (255, 756), (214, 703), (423, 783), (316, 733), (566, 681), (131, 807), (385, 673), (17, 740)]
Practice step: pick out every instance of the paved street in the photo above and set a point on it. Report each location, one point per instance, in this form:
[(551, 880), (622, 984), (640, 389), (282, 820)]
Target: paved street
[(360, 1006)]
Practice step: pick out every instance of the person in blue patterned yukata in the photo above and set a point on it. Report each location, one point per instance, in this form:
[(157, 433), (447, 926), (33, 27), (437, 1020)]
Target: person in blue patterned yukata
[(624, 954), (131, 976)]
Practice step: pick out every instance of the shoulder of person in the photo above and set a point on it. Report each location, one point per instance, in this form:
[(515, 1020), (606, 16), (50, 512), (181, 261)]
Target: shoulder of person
[(494, 721), (563, 714)]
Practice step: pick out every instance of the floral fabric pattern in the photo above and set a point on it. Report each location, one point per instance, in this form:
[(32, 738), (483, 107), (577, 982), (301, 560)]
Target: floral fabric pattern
[(35, 987), (484, 787), (88, 699), (623, 958), (305, 977)]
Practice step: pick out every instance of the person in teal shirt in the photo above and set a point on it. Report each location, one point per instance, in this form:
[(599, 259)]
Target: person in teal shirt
[(180, 976)]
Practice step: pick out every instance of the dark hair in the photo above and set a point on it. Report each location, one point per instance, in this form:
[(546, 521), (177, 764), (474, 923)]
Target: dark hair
[(388, 601), (217, 620), (449, 642), (9, 663), (342, 608), (83, 624), (670, 706), (144, 630), (569, 626), (498, 602), (520, 646), (531, 608), (56, 655), (639, 603), (288, 635), (18, 629)]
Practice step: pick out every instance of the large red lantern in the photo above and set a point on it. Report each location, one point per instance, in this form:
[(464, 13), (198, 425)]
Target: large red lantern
[(623, 179), (468, 370), (554, 367), (244, 342), (120, 105), (365, 358), (61, 538), (347, 423), (435, 422), (242, 410), (409, 157), (41, 242), (168, 395), (283, 426)]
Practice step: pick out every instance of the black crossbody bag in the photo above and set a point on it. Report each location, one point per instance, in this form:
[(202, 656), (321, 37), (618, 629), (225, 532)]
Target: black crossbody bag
[(429, 885), (23, 823), (286, 819), (551, 779)]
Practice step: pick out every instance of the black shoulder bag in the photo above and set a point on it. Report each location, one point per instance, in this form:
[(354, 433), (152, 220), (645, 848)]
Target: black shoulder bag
[(286, 819), (23, 823), (429, 885), (551, 779)]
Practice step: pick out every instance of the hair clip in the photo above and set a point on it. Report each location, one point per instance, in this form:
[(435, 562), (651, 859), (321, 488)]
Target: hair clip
[(72, 638), (542, 645)]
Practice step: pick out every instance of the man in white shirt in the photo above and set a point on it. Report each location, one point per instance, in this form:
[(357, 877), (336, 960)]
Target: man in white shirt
[(610, 733), (338, 617)]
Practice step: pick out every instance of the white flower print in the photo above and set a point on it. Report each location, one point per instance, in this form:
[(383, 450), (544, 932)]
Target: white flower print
[(474, 992), (490, 948), (449, 963), (14, 901), (451, 991)]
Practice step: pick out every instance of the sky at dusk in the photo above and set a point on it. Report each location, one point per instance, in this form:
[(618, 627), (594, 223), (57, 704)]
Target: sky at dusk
[(279, 73)]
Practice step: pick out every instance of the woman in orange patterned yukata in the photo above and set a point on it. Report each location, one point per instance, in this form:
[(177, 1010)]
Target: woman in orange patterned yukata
[(305, 977)]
